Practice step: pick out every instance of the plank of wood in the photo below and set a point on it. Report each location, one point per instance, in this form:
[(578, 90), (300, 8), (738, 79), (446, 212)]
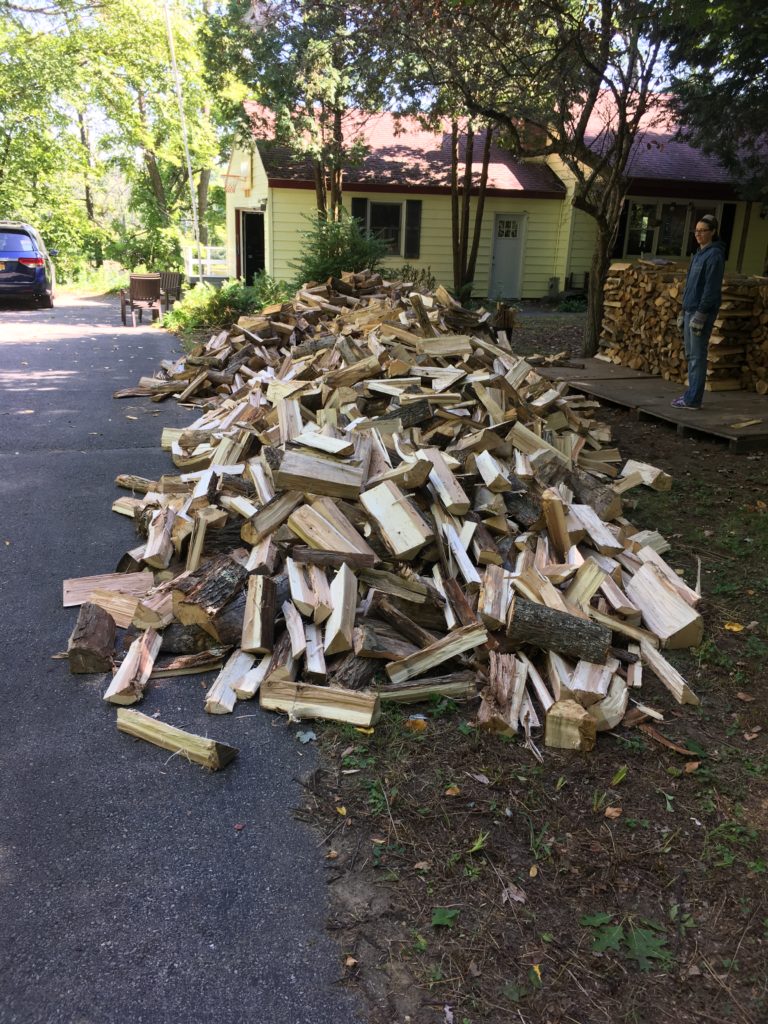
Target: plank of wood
[(602, 539), (452, 496), (271, 516), (78, 590), (198, 749)]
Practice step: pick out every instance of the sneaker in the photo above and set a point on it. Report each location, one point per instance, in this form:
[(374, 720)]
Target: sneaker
[(680, 403)]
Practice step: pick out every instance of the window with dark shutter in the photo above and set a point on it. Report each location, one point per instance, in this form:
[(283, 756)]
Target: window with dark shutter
[(412, 229), (360, 210)]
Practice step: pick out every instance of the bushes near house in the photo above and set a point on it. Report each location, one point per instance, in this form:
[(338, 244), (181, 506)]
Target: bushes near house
[(422, 278), (328, 248), (205, 306)]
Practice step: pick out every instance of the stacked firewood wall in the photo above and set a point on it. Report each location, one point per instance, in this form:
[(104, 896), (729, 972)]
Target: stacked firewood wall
[(642, 302)]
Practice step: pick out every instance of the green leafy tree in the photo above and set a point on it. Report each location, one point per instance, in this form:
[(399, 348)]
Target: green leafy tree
[(718, 55), (313, 72), (568, 78)]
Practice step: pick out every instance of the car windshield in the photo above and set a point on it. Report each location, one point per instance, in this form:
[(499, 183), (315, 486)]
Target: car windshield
[(15, 241)]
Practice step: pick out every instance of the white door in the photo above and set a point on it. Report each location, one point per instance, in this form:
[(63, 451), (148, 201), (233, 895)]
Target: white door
[(507, 263)]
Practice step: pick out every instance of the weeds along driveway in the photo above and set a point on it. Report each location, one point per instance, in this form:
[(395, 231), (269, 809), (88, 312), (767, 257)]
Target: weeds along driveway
[(133, 886)]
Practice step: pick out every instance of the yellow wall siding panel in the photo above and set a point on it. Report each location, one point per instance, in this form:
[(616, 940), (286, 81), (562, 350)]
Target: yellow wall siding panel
[(250, 193)]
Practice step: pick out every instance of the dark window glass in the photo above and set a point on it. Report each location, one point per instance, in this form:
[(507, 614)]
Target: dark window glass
[(385, 224), (15, 241), (671, 230), (642, 224)]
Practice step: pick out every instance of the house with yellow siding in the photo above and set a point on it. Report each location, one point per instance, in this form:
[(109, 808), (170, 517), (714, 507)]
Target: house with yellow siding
[(534, 243)]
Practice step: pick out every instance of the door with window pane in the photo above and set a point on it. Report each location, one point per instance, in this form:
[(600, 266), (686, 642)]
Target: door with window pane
[(641, 228), (507, 264)]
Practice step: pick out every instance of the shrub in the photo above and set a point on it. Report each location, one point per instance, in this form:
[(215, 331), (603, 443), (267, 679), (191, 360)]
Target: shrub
[(158, 249), (422, 278), (576, 304), (331, 247), (205, 306)]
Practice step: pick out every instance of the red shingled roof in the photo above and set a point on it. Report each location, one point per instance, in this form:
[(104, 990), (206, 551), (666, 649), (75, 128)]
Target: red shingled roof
[(402, 155), (660, 152)]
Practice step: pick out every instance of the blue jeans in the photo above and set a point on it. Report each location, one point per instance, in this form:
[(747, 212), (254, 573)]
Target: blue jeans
[(696, 348)]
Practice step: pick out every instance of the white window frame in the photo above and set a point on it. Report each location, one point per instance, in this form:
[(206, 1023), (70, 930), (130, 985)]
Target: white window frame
[(691, 206)]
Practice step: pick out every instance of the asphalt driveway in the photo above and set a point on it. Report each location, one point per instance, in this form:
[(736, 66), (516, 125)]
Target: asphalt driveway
[(127, 893)]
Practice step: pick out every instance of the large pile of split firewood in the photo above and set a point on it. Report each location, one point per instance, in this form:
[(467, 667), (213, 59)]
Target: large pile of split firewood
[(380, 501), (642, 302)]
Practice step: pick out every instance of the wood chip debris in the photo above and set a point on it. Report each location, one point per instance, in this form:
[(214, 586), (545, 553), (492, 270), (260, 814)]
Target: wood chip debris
[(379, 500)]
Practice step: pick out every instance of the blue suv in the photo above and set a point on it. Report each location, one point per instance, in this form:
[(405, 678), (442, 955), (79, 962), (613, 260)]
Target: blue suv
[(26, 268)]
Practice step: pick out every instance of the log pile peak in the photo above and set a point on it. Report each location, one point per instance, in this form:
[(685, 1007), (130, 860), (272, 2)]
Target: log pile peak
[(380, 500)]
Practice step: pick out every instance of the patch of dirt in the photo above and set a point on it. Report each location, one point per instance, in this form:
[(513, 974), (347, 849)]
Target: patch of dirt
[(473, 885)]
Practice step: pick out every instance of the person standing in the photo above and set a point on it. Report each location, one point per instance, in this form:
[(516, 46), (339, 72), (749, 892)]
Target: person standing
[(701, 301)]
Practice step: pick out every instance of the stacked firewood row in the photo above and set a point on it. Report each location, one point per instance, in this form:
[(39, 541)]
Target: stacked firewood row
[(380, 501), (642, 302)]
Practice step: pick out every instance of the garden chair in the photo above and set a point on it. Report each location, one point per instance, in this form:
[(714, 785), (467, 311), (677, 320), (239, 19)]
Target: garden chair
[(170, 283), (144, 292)]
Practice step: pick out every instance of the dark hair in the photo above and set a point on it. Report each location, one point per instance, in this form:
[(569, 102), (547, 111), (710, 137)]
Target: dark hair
[(711, 221)]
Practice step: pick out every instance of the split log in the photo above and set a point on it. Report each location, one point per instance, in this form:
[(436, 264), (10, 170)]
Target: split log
[(455, 685), (302, 700), (340, 625), (460, 640), (199, 749), (259, 617), (569, 727), (664, 611), (129, 681), (91, 646)]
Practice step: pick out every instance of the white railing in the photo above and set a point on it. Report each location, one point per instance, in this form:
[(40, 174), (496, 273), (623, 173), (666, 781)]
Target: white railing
[(212, 262)]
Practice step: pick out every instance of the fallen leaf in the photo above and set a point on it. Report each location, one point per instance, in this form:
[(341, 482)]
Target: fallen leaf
[(306, 736), (733, 627), (422, 865), (479, 777), (350, 961), (443, 917), (512, 894), (239, 827), (415, 725), (452, 791), (691, 767), (746, 697), (342, 811), (753, 733), (613, 812), (378, 840), (533, 871), (656, 735), (366, 730), (474, 970), (332, 855), (347, 751)]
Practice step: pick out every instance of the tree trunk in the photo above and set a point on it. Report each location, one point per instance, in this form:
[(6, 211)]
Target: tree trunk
[(480, 208), (597, 273), (153, 170), (466, 199), (455, 227), (202, 203), (336, 167), (321, 193)]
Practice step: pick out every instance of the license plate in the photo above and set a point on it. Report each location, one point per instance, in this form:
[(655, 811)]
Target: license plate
[(2, 266)]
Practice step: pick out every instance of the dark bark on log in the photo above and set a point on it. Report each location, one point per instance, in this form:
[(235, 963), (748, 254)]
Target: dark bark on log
[(178, 639), (551, 630), (91, 646)]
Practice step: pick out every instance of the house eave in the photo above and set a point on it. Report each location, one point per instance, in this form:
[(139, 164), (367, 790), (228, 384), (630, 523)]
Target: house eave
[(431, 190)]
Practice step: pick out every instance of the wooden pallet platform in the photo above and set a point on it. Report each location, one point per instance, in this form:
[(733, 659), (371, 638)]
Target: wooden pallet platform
[(649, 398)]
